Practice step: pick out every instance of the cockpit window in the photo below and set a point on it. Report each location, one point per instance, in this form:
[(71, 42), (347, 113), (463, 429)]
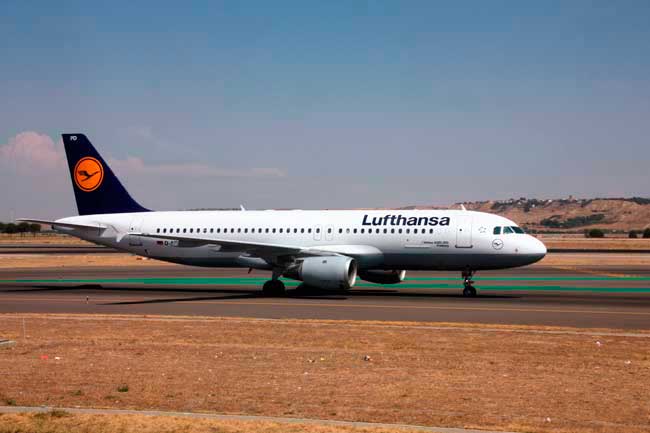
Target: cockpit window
[(497, 230), (517, 229), (507, 230)]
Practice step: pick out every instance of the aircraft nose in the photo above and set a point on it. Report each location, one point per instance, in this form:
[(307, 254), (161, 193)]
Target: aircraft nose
[(536, 248)]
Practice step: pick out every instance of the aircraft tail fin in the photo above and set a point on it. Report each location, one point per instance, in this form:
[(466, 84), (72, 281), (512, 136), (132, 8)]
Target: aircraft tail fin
[(96, 189)]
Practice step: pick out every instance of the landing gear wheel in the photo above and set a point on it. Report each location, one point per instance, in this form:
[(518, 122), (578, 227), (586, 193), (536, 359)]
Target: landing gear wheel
[(273, 288), (469, 291)]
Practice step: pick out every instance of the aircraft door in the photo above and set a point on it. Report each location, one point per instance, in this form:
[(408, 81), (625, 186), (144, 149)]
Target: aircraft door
[(464, 231)]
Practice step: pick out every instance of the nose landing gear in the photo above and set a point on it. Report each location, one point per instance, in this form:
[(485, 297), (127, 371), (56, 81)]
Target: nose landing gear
[(469, 290)]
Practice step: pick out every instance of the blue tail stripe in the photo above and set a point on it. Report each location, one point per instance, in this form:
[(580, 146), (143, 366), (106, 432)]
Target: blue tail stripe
[(96, 189)]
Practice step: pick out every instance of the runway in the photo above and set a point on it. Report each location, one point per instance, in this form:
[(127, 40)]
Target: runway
[(590, 297)]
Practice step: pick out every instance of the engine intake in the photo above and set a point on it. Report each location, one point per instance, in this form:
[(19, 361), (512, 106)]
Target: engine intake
[(326, 272), (383, 277)]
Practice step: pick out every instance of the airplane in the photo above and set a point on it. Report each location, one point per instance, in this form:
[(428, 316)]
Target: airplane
[(325, 249)]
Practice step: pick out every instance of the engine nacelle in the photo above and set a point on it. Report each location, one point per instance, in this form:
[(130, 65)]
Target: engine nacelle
[(383, 277), (327, 272)]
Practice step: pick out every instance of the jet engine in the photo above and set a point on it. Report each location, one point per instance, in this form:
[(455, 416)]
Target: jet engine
[(383, 277), (326, 272)]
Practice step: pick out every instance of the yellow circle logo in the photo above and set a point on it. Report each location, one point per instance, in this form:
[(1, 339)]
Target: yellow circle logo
[(88, 174)]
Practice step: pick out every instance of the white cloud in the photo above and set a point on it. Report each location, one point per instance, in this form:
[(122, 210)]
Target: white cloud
[(136, 165), (31, 152)]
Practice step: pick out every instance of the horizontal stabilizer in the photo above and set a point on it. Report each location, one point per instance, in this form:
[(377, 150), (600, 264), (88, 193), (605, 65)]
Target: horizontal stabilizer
[(62, 224)]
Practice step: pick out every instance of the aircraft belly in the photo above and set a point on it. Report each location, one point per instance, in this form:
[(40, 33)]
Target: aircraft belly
[(454, 261)]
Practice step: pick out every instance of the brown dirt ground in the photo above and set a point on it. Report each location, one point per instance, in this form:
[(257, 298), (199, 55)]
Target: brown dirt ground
[(62, 422), (510, 379)]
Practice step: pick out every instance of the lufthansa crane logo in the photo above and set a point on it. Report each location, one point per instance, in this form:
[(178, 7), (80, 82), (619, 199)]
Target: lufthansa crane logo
[(88, 174), (497, 244)]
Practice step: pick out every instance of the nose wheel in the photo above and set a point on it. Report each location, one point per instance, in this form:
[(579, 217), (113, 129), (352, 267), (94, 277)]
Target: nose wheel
[(469, 290)]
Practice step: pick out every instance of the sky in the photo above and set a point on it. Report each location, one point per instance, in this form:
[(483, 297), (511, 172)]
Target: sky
[(315, 105)]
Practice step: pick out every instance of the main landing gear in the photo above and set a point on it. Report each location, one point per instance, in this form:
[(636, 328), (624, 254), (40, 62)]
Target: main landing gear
[(469, 290), (274, 287)]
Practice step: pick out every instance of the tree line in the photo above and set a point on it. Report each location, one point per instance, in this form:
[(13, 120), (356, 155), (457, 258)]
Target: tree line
[(22, 228)]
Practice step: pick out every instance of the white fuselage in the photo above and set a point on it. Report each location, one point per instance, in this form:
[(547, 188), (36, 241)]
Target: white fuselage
[(378, 239)]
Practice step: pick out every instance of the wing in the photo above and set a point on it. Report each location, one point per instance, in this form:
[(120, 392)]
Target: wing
[(276, 253), (261, 249)]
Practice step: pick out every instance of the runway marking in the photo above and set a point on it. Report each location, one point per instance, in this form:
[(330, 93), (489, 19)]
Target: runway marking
[(332, 305), (608, 275)]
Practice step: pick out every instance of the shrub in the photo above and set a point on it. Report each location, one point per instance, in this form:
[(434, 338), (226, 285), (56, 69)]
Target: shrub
[(595, 233), (123, 388), (633, 234), (646, 233)]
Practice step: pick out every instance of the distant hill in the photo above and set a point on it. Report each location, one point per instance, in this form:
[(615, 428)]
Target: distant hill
[(571, 215)]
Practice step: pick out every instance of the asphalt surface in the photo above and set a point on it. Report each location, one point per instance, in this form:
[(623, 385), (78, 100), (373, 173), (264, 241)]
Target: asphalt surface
[(596, 296)]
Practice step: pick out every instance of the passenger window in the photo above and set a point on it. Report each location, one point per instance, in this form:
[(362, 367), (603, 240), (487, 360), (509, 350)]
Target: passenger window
[(392, 230), (385, 231), (355, 231), (415, 231), (308, 230), (497, 231), (507, 230), (317, 230), (157, 230), (232, 230), (408, 231), (191, 230), (399, 231), (347, 231), (362, 230)]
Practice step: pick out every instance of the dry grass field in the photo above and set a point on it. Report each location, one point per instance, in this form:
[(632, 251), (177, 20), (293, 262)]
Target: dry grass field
[(510, 378), (63, 422), (41, 238)]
